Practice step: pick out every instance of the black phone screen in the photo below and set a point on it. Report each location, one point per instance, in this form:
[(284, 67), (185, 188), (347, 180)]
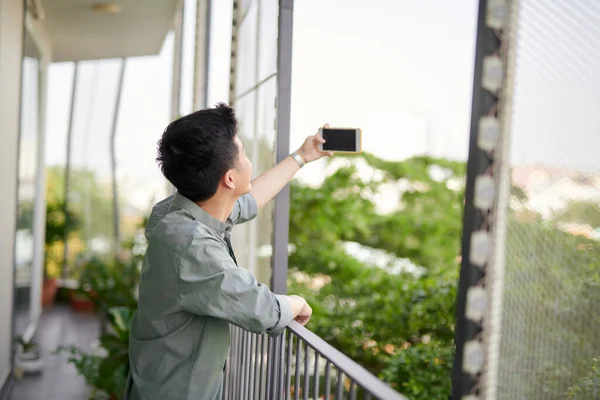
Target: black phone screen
[(339, 139)]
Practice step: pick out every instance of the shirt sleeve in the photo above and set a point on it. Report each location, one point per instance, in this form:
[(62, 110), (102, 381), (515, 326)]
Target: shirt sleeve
[(211, 284), (244, 210)]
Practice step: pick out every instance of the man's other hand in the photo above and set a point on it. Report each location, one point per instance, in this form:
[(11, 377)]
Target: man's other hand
[(304, 315), (300, 309)]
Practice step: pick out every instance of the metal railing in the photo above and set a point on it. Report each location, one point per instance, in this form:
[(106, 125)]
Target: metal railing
[(296, 365)]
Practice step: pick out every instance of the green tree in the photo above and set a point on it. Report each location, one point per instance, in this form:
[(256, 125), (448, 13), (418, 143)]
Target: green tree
[(88, 197), (582, 212), (551, 320), (376, 314)]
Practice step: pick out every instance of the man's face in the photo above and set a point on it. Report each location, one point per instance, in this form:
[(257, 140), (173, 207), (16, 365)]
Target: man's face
[(243, 170)]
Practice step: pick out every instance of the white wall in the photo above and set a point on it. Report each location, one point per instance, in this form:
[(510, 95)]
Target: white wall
[(11, 34)]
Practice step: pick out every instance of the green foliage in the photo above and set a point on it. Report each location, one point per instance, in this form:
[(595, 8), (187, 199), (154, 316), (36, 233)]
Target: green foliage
[(588, 387), (26, 346), (57, 225), (582, 212), (106, 374), (86, 193), (109, 284), (371, 311), (551, 320), (25, 215), (422, 371)]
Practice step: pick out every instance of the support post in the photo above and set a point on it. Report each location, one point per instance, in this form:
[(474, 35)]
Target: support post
[(282, 201), (113, 163), (65, 264)]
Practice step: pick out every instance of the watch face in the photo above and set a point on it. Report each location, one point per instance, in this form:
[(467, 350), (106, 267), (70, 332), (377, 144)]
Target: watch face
[(298, 159)]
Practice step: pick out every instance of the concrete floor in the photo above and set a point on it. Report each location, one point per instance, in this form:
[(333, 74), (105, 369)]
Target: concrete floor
[(58, 326)]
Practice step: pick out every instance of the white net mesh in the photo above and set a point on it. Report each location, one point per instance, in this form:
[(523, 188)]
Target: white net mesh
[(550, 329)]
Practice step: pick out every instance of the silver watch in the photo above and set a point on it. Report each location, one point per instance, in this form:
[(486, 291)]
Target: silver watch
[(298, 159)]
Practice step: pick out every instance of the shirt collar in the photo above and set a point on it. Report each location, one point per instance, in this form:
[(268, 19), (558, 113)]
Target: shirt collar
[(201, 215)]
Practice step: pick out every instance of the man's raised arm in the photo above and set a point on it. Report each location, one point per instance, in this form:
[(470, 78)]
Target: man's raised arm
[(266, 186)]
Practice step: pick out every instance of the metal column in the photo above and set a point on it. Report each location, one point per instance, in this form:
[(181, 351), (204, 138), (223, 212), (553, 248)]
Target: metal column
[(282, 201), (176, 76), (63, 272), (484, 167), (203, 15), (113, 162)]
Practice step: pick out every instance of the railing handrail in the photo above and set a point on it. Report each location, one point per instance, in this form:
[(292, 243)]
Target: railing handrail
[(351, 368)]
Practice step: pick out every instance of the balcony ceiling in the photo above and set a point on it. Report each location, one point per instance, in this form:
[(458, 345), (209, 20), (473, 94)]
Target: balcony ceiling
[(77, 32)]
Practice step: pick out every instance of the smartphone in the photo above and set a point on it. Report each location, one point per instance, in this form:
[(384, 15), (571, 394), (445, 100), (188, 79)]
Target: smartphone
[(341, 140)]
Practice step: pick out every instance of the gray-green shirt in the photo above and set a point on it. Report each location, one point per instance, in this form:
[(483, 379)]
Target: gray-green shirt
[(191, 289)]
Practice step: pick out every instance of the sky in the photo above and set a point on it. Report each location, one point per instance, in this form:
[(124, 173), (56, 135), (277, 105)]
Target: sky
[(400, 70)]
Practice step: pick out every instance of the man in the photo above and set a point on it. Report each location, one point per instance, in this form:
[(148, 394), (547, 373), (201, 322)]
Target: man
[(191, 287)]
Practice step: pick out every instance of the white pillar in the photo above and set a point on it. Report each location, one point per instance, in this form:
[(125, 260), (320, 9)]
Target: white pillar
[(39, 212), (11, 49)]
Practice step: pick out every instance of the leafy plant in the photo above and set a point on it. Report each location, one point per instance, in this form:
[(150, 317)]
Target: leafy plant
[(26, 347), (367, 309), (422, 371), (588, 387), (107, 375), (109, 284)]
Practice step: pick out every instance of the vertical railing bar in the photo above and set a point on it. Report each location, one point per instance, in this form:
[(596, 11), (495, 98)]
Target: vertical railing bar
[(262, 353), (282, 363), (353, 390), (249, 368), (239, 364), (246, 355), (234, 361), (339, 391), (243, 357), (327, 380), (240, 368), (249, 374), (306, 377), (289, 365), (257, 367), (297, 375), (269, 368), (316, 377), (253, 366)]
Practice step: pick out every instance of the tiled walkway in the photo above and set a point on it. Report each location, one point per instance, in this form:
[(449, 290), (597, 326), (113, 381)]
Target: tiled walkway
[(59, 380)]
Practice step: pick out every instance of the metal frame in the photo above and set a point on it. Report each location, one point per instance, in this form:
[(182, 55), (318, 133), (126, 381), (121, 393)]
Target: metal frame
[(235, 28), (113, 161), (63, 272), (177, 56), (261, 367), (202, 54), (281, 215), (364, 378), (478, 219), (39, 227), (8, 384), (176, 74)]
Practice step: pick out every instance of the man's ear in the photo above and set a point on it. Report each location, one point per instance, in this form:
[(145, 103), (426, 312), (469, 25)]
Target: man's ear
[(228, 179)]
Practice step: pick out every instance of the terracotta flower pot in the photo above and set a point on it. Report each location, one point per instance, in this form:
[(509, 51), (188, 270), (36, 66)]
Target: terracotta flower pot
[(80, 302), (49, 289)]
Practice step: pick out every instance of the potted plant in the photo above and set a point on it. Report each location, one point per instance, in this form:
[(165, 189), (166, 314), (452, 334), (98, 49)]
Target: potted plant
[(28, 357), (106, 369), (96, 283), (59, 225)]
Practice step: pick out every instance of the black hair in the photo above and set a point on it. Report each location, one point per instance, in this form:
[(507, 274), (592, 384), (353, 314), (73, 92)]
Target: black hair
[(196, 150)]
